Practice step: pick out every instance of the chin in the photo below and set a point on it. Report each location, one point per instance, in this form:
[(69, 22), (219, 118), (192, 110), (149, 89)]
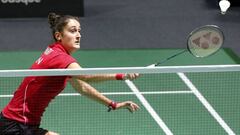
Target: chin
[(77, 47)]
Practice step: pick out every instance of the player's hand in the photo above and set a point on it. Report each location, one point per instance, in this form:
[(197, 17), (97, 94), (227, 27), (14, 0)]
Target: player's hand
[(131, 76), (131, 106)]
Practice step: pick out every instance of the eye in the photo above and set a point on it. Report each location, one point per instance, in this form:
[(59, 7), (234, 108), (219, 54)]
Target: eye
[(73, 30)]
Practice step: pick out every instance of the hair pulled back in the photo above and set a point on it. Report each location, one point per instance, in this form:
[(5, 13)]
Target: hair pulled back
[(58, 22)]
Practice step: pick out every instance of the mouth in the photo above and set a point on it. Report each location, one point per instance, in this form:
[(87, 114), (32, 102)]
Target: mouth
[(77, 43)]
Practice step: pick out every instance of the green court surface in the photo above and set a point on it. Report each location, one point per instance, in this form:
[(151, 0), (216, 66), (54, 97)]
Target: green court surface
[(174, 102)]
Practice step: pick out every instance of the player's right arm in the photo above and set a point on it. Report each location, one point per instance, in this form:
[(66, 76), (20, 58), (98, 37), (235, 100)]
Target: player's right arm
[(102, 77)]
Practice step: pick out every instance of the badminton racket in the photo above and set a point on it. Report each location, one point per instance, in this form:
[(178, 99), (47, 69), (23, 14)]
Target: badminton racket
[(201, 42)]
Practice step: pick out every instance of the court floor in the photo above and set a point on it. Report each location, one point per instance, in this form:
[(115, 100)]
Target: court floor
[(179, 104)]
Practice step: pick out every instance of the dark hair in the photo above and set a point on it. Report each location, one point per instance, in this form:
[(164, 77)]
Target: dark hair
[(58, 22)]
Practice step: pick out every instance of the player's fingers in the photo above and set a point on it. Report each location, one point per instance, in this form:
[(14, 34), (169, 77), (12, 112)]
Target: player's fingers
[(136, 75), (132, 76), (132, 107)]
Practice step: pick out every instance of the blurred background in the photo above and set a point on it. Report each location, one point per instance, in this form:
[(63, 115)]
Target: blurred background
[(116, 24)]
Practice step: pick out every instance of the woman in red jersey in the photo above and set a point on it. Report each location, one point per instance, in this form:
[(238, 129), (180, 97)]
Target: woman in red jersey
[(22, 115)]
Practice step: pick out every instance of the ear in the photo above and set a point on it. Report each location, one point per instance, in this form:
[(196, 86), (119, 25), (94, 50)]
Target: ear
[(58, 36)]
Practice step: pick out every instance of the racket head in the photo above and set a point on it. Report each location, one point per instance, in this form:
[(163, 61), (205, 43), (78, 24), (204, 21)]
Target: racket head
[(205, 41)]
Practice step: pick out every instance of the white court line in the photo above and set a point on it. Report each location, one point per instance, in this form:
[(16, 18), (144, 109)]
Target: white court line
[(149, 108), (206, 104), (120, 93)]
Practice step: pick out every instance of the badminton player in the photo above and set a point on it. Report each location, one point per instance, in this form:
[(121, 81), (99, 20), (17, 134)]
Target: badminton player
[(22, 115)]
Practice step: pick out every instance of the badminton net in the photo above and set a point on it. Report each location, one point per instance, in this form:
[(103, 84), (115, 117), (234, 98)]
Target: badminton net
[(173, 100)]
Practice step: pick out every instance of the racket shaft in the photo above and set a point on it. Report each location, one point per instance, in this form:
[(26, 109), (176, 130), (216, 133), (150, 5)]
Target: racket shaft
[(165, 60)]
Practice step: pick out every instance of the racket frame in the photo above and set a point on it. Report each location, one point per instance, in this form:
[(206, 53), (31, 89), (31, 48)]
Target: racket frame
[(212, 27), (216, 28)]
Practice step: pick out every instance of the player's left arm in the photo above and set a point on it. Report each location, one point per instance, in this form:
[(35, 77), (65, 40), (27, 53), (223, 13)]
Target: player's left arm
[(87, 90)]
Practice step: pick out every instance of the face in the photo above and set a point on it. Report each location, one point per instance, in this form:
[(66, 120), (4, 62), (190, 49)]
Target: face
[(70, 36)]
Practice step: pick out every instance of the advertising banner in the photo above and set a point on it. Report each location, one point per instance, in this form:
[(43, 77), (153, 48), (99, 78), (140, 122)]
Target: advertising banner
[(39, 8)]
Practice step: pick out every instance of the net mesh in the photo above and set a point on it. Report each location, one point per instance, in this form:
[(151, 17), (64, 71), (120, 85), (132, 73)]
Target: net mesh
[(173, 100)]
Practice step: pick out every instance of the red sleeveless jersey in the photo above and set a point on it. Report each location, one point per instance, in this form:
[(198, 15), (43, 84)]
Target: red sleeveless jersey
[(35, 93)]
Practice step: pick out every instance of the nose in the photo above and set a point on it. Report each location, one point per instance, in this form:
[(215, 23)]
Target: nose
[(79, 35)]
